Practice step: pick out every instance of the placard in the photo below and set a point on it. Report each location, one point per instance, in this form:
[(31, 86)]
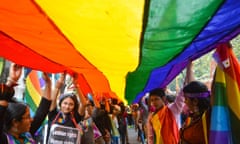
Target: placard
[(63, 135)]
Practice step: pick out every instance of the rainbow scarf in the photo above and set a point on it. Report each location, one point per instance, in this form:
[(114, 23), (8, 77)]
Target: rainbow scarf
[(27, 139), (165, 127), (225, 118)]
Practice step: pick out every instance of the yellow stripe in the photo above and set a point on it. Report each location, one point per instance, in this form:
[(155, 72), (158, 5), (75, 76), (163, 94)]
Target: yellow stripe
[(233, 95), (205, 127), (102, 31), (232, 89), (157, 128), (220, 76)]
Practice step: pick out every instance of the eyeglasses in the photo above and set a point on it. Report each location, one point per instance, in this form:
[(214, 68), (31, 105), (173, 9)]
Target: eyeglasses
[(26, 117), (88, 105)]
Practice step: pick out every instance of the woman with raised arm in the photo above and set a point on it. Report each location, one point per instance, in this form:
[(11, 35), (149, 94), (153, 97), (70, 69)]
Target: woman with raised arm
[(70, 111), (16, 124), (197, 99)]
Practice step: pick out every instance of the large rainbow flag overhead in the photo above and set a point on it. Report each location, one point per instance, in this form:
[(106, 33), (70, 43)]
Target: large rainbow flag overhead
[(122, 48), (225, 118)]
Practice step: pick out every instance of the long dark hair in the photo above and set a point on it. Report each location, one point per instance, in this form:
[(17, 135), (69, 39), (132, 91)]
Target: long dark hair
[(195, 87), (73, 97), (15, 111)]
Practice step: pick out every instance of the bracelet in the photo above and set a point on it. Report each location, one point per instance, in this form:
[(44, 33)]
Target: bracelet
[(11, 80)]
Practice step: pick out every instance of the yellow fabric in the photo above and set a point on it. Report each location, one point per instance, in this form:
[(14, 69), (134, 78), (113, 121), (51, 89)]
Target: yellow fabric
[(36, 97), (165, 127), (231, 91), (157, 128), (90, 24), (205, 128)]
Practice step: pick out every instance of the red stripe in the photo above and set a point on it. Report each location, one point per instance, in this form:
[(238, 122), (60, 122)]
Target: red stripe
[(225, 52)]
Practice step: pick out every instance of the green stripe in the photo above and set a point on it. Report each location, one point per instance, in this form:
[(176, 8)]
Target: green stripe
[(171, 26), (30, 101), (220, 96), (2, 64)]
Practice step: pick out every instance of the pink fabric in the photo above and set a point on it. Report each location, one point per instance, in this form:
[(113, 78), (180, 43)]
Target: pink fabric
[(96, 132)]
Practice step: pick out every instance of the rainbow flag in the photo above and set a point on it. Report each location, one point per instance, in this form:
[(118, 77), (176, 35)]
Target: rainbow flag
[(33, 90), (225, 117), (122, 48), (165, 127)]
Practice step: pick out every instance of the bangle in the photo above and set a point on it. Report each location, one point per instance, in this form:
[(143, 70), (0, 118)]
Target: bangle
[(13, 82)]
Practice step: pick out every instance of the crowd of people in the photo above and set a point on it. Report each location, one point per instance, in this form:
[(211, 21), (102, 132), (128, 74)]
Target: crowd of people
[(158, 118)]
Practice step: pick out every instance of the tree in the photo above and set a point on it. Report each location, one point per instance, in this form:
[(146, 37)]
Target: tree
[(202, 65)]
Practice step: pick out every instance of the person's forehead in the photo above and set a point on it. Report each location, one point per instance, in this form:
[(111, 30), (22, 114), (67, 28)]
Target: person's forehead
[(155, 97)]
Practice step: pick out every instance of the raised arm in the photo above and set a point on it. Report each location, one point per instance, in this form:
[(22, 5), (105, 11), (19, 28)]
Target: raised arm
[(96, 103), (83, 101), (15, 72), (6, 94), (48, 84), (179, 103), (189, 74), (56, 91), (44, 105)]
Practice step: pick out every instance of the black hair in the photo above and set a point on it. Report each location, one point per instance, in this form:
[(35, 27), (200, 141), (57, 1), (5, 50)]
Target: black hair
[(114, 101), (198, 87), (6, 92), (73, 97), (14, 111), (91, 102), (157, 92), (170, 98), (195, 87)]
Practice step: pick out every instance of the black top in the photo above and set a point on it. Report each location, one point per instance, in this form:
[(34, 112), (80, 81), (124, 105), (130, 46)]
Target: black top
[(102, 120), (56, 117)]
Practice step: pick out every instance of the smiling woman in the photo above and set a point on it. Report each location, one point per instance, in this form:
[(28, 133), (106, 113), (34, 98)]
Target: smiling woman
[(70, 112)]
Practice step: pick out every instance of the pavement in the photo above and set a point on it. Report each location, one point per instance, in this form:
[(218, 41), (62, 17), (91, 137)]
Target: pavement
[(132, 136)]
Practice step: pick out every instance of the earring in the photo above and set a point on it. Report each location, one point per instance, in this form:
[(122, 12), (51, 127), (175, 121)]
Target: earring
[(15, 130)]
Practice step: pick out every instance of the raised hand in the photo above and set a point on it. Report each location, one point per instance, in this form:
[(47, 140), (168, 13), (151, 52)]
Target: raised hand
[(46, 77), (48, 84), (60, 81), (15, 72)]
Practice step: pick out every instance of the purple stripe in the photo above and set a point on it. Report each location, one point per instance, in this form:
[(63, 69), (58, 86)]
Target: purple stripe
[(197, 95), (42, 82), (220, 137)]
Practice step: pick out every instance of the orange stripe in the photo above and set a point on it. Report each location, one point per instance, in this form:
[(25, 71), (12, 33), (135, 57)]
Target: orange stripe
[(35, 80), (33, 87)]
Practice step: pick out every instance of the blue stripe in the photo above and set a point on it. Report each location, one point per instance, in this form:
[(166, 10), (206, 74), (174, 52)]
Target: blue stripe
[(220, 119)]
